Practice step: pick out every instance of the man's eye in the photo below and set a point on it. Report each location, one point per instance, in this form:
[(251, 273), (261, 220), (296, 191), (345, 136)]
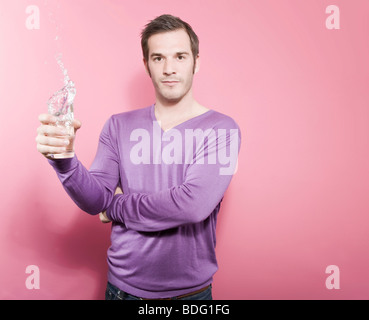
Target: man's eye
[(181, 57), (157, 59)]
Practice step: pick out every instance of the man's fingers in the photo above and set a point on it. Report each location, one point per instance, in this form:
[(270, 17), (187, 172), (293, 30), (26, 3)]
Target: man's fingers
[(48, 150), (50, 130), (77, 124), (51, 141), (118, 190), (46, 118), (103, 217)]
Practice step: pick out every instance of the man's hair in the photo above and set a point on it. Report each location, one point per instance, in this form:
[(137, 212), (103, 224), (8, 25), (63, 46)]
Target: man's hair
[(166, 23)]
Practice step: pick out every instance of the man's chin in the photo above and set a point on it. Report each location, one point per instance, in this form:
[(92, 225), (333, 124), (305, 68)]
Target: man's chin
[(171, 99)]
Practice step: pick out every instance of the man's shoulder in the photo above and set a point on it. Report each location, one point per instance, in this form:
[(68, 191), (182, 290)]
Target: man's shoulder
[(130, 119), (130, 115), (222, 120), (121, 123)]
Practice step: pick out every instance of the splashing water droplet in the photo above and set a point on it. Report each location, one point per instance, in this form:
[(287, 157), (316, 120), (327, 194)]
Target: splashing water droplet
[(60, 103)]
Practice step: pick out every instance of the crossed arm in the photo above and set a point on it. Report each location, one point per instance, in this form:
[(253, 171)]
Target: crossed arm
[(95, 191), (190, 202)]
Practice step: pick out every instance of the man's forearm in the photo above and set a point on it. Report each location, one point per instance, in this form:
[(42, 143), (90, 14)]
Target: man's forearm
[(177, 206), (92, 190), (84, 187)]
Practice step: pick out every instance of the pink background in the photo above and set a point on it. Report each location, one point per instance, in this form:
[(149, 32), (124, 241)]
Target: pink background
[(299, 201)]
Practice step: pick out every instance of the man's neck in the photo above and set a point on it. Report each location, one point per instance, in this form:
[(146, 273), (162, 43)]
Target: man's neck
[(172, 114), (175, 109)]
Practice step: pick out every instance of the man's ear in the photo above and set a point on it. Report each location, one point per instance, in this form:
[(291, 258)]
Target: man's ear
[(146, 64), (197, 65)]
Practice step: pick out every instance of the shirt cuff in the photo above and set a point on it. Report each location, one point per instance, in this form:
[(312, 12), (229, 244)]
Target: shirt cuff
[(64, 165)]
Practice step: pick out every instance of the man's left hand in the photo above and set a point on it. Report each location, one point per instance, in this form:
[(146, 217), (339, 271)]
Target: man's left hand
[(102, 215)]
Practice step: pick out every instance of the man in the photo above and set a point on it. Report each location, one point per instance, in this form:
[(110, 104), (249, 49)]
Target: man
[(160, 174)]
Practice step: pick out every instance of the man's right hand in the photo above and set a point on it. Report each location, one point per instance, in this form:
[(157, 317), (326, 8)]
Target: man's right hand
[(50, 138)]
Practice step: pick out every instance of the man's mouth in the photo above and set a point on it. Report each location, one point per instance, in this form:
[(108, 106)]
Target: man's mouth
[(170, 82)]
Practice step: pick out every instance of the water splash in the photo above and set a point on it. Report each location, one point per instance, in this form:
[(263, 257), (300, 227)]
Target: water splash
[(60, 103)]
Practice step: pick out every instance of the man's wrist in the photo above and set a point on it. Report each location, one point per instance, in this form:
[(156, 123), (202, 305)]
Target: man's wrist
[(64, 165)]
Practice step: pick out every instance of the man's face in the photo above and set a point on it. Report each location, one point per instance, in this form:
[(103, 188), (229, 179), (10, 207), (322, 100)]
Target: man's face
[(171, 65)]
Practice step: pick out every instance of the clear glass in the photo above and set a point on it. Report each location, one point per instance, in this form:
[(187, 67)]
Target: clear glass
[(60, 105)]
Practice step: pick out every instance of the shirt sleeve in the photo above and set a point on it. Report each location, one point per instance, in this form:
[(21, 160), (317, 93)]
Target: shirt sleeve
[(92, 190), (192, 201)]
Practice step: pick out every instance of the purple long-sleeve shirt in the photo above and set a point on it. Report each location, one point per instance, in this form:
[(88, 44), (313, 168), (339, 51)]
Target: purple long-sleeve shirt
[(163, 229)]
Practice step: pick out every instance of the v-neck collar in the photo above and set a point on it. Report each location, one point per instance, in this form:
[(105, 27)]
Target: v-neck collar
[(153, 117)]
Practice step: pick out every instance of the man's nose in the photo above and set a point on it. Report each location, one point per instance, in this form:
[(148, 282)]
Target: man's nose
[(168, 67)]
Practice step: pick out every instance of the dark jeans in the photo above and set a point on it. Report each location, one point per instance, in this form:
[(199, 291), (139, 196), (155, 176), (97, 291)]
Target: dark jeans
[(114, 293)]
